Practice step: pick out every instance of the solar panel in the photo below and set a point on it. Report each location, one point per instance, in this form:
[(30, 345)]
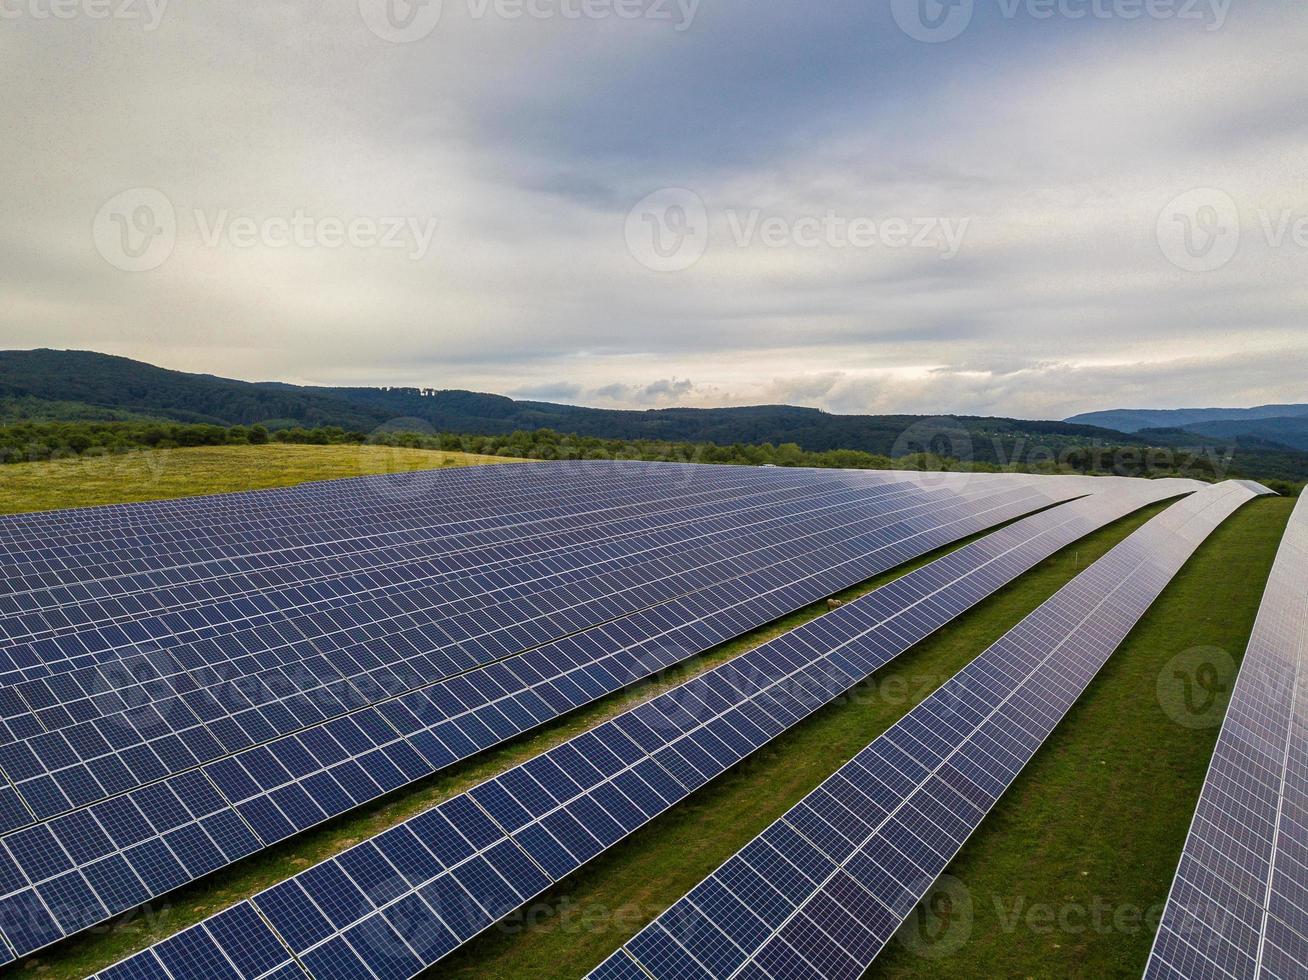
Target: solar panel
[(436, 535), (176, 711), (404, 899), (820, 892), (229, 634), (95, 860), (1238, 906)]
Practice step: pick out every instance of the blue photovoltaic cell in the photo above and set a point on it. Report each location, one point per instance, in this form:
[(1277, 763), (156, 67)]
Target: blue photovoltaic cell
[(264, 794), (1238, 907), (848, 863), (654, 755)]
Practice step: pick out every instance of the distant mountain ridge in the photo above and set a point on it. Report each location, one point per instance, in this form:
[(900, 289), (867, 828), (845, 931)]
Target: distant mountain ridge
[(50, 385), (90, 385), (1135, 419)]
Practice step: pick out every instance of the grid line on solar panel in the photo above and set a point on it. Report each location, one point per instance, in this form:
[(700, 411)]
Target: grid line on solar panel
[(433, 492), (511, 492), (254, 648), (881, 829), (30, 764), (651, 773), (414, 610), (1239, 904), (229, 840), (439, 518), (641, 519)]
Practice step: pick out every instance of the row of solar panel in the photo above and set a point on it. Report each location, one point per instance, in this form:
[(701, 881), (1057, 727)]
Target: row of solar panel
[(1238, 907), (151, 525), (463, 495), (372, 788), (819, 893), (402, 901), (136, 868), (208, 580), (46, 767), (465, 614), (437, 542), (663, 552), (537, 511), (160, 517)]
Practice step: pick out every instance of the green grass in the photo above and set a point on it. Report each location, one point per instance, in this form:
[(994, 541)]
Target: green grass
[(164, 473), (1069, 872), (1111, 794)]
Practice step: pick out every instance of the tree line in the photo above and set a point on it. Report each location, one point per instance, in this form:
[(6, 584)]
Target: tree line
[(39, 441)]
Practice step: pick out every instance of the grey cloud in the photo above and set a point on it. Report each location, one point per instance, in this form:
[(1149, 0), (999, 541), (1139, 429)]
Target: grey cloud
[(530, 141), (557, 391)]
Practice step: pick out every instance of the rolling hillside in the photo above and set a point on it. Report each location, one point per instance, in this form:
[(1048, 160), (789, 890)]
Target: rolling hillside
[(48, 385), (1194, 419), (87, 385)]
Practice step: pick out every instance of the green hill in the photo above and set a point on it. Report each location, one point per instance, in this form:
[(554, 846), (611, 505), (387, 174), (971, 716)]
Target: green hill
[(49, 385), (1136, 419)]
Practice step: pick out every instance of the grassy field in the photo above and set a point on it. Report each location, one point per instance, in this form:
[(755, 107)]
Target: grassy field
[(1105, 805), (164, 473)]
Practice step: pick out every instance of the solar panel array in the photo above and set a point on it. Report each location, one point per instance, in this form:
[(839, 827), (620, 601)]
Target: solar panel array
[(1238, 907), (149, 743), (393, 905), (821, 891)]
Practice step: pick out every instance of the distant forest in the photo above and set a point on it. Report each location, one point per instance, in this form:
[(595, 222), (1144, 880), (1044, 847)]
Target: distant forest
[(38, 441), (69, 402)]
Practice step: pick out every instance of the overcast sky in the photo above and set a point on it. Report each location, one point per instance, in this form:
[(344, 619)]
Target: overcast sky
[(1018, 207)]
